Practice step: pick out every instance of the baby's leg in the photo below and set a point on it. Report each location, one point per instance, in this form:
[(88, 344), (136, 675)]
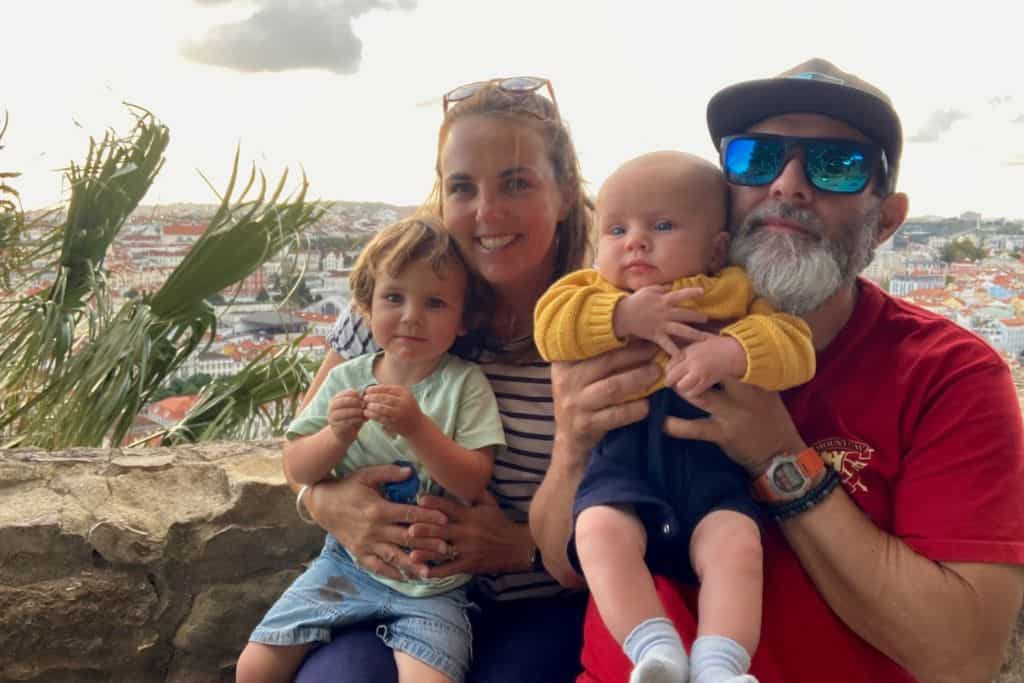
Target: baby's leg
[(726, 555), (412, 670), (262, 663), (611, 543)]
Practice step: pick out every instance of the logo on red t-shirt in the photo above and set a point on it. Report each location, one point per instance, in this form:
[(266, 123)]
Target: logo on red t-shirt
[(848, 458)]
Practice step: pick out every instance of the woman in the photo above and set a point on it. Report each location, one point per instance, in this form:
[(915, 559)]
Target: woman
[(509, 189)]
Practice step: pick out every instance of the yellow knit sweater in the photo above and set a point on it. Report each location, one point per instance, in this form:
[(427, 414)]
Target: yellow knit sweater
[(573, 321)]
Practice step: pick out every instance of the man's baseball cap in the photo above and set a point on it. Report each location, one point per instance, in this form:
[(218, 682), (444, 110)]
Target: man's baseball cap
[(816, 87)]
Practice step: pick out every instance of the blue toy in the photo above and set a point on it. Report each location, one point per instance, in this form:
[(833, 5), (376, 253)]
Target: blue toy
[(405, 491)]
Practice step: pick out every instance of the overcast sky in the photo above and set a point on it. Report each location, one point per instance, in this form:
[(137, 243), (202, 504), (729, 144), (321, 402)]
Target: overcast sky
[(349, 90)]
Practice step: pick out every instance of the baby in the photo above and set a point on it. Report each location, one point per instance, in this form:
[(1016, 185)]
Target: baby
[(644, 496), (412, 402)]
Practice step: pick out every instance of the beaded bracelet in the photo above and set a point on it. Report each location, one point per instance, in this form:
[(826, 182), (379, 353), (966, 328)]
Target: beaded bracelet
[(300, 508), (817, 494)]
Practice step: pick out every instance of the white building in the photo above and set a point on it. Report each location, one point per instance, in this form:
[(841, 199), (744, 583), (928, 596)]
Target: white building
[(1007, 335)]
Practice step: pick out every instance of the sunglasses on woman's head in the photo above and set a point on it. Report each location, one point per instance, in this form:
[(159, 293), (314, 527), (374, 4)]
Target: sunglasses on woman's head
[(516, 86), (833, 165)]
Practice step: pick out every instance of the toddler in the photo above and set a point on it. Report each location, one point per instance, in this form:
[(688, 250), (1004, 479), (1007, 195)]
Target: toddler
[(411, 402)]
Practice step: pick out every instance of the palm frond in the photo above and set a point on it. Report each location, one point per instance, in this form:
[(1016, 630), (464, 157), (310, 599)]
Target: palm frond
[(84, 372), (256, 402)]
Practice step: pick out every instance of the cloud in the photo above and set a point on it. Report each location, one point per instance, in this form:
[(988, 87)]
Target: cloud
[(289, 34), (1000, 99), (939, 122)]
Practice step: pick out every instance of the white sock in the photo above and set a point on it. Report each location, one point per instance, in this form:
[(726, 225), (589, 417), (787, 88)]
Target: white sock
[(657, 653), (717, 659)]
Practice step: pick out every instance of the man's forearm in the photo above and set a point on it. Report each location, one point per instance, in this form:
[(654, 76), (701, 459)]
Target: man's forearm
[(940, 622), (551, 513)]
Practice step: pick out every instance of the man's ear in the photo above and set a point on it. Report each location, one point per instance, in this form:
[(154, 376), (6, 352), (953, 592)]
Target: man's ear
[(720, 252), (894, 210)]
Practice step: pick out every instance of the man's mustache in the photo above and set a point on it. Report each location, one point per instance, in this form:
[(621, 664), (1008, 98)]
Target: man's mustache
[(787, 212)]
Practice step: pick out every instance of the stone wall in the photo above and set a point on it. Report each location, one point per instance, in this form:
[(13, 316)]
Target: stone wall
[(137, 568), (152, 565)]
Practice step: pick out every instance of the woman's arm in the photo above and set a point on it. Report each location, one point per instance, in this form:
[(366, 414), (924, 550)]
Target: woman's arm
[(587, 397)]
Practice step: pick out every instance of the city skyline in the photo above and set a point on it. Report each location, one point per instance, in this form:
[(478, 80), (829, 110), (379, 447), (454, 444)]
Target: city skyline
[(349, 91)]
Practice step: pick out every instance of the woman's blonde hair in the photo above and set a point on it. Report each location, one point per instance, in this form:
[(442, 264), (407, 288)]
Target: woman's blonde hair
[(572, 234), (421, 238)]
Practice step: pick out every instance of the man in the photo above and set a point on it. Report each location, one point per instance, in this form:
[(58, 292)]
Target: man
[(909, 568)]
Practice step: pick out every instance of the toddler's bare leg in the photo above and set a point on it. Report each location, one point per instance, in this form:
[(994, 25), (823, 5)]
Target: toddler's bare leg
[(262, 663), (412, 670)]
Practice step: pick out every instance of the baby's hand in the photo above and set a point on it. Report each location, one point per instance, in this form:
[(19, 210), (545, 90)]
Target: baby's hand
[(345, 414), (394, 407), (654, 313), (701, 365)]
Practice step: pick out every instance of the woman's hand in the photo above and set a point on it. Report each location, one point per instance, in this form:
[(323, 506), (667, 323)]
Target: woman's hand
[(476, 539), (374, 530), (589, 394)]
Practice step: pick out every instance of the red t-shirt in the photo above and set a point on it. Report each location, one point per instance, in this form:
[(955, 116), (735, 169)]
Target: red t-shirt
[(921, 420)]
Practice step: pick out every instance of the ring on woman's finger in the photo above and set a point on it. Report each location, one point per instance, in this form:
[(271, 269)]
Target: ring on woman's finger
[(453, 554)]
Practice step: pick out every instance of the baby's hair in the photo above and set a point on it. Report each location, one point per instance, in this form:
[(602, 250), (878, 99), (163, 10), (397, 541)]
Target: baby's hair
[(421, 238)]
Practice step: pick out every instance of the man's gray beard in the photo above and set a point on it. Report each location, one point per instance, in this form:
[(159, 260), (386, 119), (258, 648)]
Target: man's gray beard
[(798, 273)]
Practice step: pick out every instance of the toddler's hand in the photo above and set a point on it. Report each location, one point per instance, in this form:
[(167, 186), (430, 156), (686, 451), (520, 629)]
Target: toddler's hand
[(345, 414), (701, 365), (654, 313), (394, 407)]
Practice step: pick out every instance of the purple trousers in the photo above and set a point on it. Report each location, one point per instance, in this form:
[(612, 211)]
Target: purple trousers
[(513, 641)]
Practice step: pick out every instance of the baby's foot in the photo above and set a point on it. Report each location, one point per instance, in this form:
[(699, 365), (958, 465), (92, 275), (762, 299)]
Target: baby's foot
[(662, 666), (745, 678)]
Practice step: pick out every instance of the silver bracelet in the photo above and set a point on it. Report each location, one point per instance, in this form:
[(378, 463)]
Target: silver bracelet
[(300, 508)]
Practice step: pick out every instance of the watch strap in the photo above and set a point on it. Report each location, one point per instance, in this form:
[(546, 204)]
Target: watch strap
[(807, 461), (817, 494)]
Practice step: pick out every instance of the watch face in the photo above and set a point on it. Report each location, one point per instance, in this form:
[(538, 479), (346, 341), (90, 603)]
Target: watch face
[(788, 478)]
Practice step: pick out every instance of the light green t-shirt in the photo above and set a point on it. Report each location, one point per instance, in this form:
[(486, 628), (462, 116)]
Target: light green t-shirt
[(456, 396)]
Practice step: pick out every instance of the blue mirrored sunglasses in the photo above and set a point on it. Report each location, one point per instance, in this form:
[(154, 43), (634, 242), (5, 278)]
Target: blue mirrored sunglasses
[(831, 164)]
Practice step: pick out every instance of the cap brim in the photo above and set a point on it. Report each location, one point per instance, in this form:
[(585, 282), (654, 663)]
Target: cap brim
[(738, 107)]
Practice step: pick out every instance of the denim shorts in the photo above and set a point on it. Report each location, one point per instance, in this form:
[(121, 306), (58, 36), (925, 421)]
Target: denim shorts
[(334, 593)]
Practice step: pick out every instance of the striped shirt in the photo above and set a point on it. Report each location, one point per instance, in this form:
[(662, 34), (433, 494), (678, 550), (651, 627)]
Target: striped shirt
[(523, 390)]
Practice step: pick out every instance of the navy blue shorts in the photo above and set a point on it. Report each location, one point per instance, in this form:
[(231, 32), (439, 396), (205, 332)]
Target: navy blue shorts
[(671, 484)]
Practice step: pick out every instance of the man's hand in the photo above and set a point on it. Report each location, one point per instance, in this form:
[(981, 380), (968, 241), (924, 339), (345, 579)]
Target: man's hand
[(750, 424), (345, 415), (655, 313), (703, 364), (394, 407)]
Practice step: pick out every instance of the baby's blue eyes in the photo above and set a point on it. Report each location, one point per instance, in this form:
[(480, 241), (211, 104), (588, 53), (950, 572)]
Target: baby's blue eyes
[(660, 226)]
